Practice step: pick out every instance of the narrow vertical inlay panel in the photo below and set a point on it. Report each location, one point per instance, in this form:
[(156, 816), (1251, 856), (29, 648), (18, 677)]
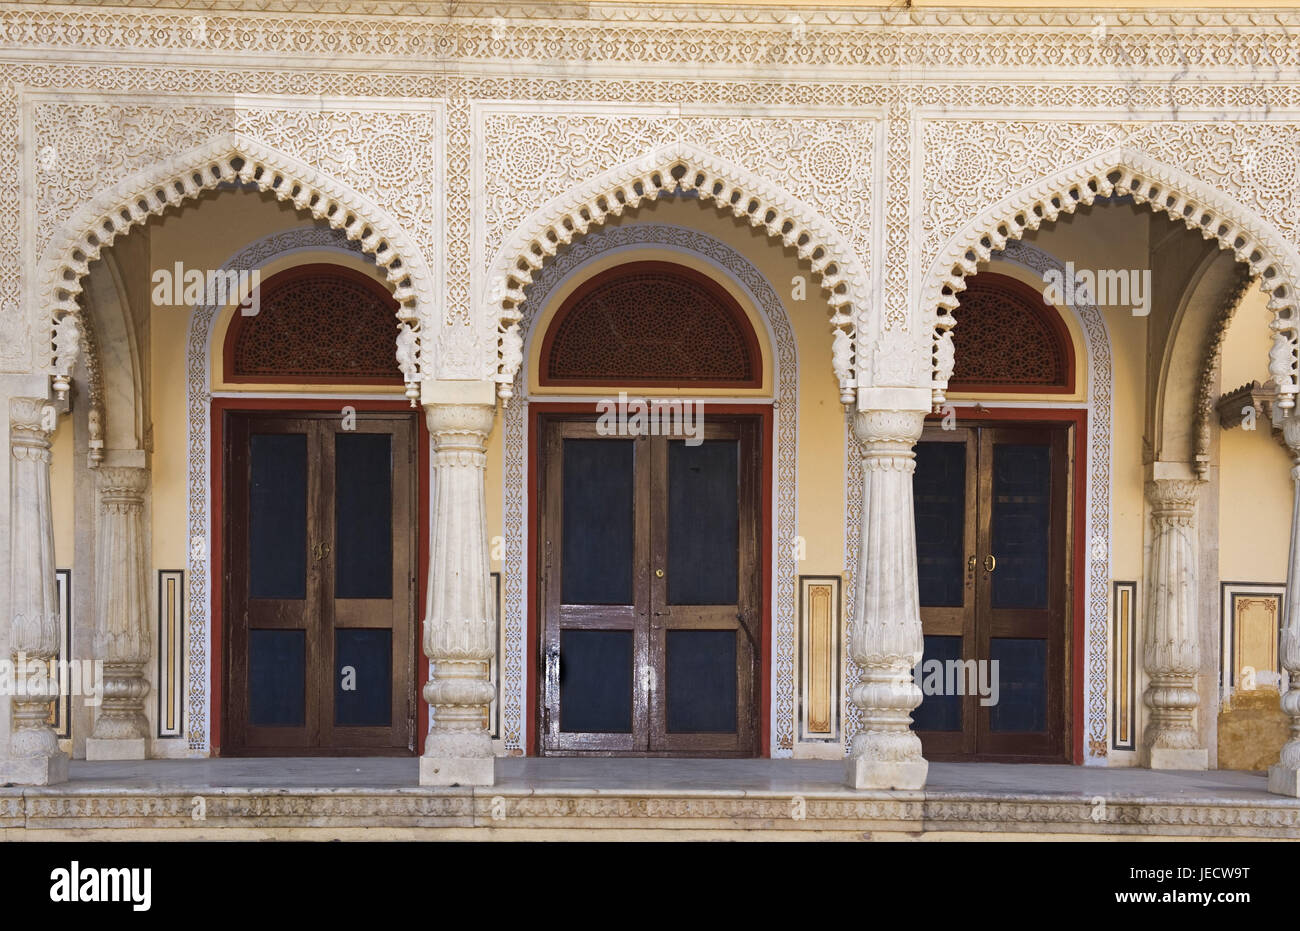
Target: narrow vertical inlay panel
[(1123, 668), (821, 615), (60, 708), (363, 495), (599, 525), (277, 516), (171, 613)]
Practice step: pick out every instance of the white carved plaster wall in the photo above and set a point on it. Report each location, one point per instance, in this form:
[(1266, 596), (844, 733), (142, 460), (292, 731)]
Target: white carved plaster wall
[(594, 165), (1237, 175), (105, 167)]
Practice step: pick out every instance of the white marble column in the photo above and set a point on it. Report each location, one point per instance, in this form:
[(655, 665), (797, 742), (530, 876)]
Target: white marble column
[(122, 631), (35, 758), (1284, 775), (458, 622), (886, 642), (1171, 652)]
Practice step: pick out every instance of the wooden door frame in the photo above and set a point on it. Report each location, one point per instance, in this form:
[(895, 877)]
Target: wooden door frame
[(533, 529), (1076, 563), (216, 556)]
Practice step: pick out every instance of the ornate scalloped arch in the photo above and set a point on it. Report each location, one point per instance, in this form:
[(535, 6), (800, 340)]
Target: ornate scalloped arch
[(233, 158), (1122, 171), (677, 166)]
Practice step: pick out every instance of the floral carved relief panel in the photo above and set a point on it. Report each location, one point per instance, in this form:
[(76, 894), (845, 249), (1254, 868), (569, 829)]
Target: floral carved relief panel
[(390, 156), (987, 181), (534, 157)]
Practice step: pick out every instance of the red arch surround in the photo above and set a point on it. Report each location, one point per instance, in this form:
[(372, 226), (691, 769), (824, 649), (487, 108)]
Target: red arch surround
[(1009, 340), (317, 324), (651, 324)]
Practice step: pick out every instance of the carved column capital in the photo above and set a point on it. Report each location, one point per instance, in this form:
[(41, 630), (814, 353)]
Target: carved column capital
[(467, 423), (880, 431), (1173, 497), (31, 425), (123, 483)]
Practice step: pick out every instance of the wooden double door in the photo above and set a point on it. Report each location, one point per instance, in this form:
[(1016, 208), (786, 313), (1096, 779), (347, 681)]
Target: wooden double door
[(649, 590), (992, 538), (319, 583)]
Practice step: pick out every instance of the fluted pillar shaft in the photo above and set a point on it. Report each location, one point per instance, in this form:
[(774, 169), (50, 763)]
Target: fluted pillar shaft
[(121, 616), (35, 758), (886, 642), (458, 622), (1284, 775), (1171, 650)]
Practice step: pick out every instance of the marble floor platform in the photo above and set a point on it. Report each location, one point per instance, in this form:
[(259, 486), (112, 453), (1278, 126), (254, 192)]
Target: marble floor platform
[(570, 798)]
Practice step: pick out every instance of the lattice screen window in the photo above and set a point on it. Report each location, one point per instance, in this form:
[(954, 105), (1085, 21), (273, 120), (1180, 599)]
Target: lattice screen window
[(1008, 339), (651, 323), (319, 324)]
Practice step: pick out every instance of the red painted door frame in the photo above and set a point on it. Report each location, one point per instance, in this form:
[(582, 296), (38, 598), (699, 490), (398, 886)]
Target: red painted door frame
[(216, 644), (1077, 634), (764, 411)]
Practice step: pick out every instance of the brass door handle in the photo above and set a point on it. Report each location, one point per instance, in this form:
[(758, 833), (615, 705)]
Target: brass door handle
[(320, 551), (659, 573), (990, 562), (970, 563)]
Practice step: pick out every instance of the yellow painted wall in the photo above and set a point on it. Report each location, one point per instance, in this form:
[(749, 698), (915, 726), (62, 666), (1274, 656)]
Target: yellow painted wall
[(1100, 237), (203, 235), (1254, 470)]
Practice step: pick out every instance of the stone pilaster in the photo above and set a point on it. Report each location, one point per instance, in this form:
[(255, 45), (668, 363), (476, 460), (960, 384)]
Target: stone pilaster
[(35, 758), (1171, 652), (1284, 775), (886, 642), (122, 630), (458, 621)]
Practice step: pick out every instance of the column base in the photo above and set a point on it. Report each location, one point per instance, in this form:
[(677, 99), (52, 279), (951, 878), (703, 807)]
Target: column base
[(883, 774), (116, 748), (457, 771), (1282, 780), (1161, 758), (35, 770)]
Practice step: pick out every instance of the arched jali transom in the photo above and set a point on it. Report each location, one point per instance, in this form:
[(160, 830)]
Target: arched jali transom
[(234, 159), (647, 324), (678, 168), (1009, 340), (1122, 172), (318, 324)]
